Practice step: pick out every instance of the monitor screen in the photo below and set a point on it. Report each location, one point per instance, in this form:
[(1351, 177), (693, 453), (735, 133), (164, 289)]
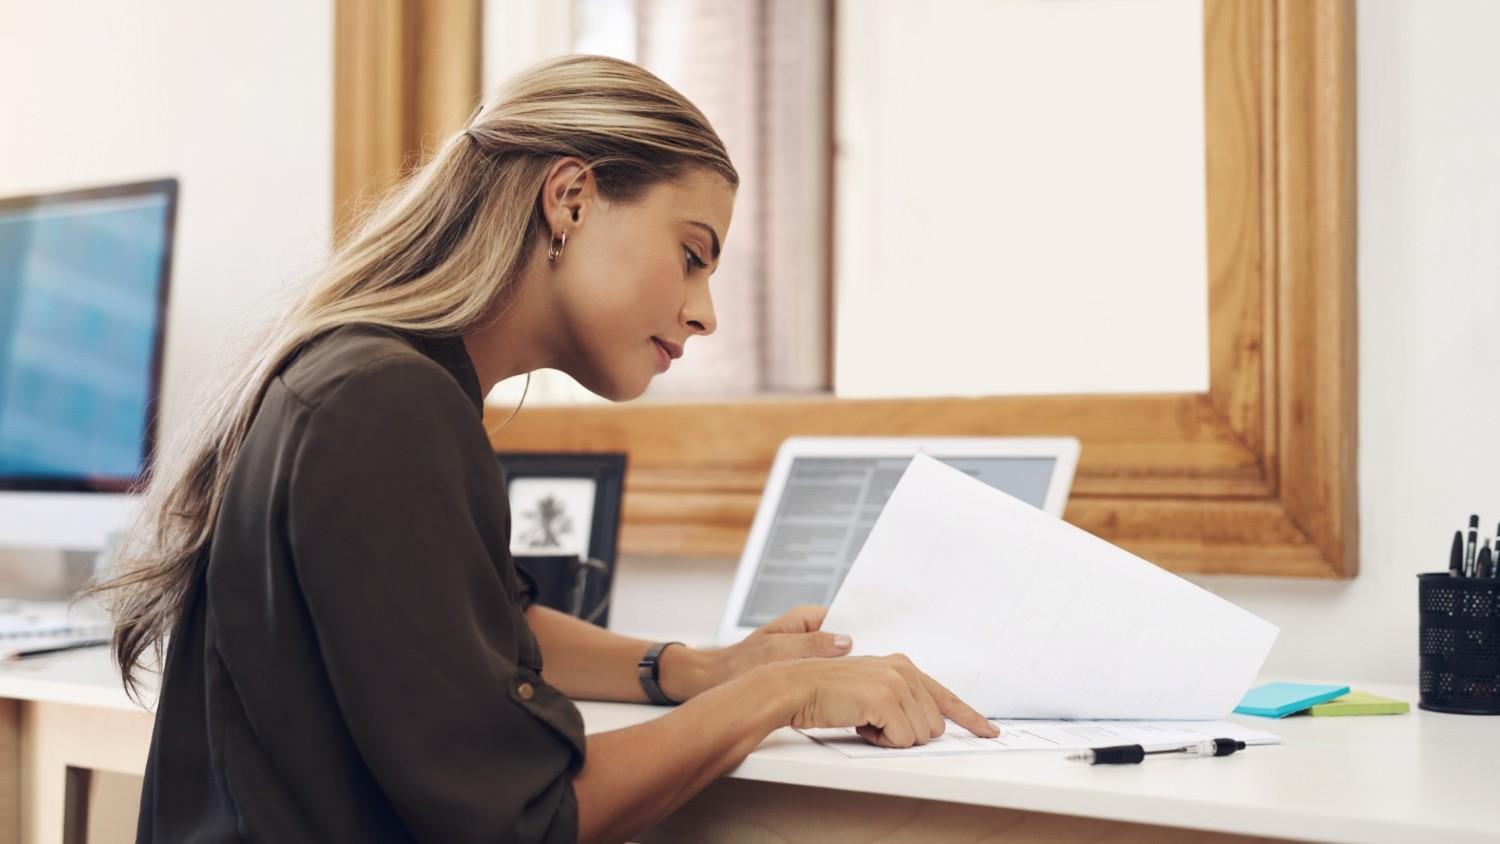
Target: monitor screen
[(83, 279), (826, 512)]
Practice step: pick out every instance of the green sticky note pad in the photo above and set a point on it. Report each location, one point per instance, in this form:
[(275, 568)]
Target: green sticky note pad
[(1360, 703), (1278, 700)]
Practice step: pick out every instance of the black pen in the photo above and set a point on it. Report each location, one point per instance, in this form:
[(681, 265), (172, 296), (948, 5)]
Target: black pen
[(1456, 556), (1130, 754), (1472, 549), (71, 646)]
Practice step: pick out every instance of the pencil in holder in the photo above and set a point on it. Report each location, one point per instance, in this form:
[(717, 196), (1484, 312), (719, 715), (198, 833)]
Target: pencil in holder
[(1459, 620)]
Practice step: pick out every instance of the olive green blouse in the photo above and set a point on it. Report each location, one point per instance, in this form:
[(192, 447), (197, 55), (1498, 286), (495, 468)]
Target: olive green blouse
[(352, 663)]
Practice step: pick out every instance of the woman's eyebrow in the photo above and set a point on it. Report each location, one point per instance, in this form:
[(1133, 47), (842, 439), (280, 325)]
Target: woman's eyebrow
[(711, 233)]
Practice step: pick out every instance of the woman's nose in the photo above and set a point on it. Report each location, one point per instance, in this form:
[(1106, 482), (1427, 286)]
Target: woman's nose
[(698, 311)]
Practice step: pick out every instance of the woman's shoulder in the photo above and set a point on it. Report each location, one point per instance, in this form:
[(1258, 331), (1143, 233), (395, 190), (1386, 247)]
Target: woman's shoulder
[(353, 360)]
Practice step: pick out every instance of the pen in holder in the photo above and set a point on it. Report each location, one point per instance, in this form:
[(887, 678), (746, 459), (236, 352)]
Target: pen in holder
[(1459, 622)]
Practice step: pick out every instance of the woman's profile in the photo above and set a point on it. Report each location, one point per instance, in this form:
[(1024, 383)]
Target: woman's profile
[(321, 568)]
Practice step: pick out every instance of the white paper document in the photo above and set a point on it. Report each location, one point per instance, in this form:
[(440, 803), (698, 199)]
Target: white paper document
[(1026, 616), (1049, 735)]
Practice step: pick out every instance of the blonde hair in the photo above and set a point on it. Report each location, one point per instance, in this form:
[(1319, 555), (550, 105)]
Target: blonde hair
[(440, 255)]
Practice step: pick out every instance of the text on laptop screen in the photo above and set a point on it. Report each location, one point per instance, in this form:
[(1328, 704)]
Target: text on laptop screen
[(827, 510)]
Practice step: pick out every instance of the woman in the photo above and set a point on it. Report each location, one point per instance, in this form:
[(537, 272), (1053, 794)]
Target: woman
[(354, 655)]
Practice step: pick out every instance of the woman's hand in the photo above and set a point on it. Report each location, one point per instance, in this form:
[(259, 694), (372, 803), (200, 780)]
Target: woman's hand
[(795, 634), (886, 699)]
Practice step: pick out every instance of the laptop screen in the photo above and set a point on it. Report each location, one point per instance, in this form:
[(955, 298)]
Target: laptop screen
[(827, 510)]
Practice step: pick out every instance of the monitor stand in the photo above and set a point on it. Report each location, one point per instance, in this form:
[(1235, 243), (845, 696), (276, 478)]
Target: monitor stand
[(44, 574)]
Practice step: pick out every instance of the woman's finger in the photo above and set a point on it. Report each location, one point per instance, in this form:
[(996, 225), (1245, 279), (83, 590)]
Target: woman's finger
[(921, 723), (892, 723), (818, 644), (916, 680), (930, 706), (803, 618), (801, 646), (959, 712), (810, 615)]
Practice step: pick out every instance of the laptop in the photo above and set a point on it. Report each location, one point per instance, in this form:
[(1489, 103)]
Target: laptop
[(825, 493)]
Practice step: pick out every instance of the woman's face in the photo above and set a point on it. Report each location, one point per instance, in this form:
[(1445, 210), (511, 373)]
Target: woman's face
[(632, 282)]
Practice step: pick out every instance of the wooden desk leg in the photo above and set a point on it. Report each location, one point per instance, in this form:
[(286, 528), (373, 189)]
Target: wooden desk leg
[(57, 737), (10, 771), (733, 810), (79, 786)]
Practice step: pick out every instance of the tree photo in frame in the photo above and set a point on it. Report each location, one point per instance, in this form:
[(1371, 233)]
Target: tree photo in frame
[(565, 524)]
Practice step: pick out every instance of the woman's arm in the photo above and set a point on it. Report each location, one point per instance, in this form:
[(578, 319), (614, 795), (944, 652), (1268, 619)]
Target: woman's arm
[(735, 697), (587, 662), (636, 776)]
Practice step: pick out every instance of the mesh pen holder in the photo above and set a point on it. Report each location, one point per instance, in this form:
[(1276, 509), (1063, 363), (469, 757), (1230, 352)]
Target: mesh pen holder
[(1459, 620)]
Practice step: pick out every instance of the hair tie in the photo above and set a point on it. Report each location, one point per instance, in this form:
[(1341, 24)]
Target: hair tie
[(478, 143)]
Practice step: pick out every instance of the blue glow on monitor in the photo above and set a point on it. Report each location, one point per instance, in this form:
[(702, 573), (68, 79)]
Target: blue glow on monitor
[(81, 302)]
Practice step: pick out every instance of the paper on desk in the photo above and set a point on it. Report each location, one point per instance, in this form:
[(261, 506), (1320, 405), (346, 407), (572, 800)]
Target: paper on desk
[(1048, 735), (1026, 616)]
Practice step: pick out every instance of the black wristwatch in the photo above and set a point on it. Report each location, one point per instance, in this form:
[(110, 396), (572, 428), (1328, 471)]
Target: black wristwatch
[(649, 672)]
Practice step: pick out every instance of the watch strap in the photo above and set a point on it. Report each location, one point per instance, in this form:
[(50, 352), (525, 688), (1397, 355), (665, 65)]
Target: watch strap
[(648, 670)]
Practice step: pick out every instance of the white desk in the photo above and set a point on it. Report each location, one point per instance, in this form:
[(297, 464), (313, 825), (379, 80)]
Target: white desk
[(1417, 777)]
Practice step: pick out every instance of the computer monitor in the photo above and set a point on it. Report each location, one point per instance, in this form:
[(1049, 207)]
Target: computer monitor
[(83, 303)]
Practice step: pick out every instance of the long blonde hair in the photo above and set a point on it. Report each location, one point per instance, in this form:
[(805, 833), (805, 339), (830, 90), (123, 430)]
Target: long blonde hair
[(441, 254)]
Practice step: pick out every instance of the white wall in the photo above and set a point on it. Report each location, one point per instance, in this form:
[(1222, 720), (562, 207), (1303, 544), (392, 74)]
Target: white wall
[(1429, 345), (232, 97)]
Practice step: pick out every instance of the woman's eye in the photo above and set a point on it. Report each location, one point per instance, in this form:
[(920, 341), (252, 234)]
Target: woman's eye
[(693, 260)]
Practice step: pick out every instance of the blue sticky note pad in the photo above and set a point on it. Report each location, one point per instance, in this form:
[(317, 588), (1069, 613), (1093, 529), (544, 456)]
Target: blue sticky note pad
[(1278, 700)]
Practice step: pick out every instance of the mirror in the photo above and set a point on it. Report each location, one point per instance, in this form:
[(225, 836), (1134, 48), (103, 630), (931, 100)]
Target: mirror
[(1251, 474)]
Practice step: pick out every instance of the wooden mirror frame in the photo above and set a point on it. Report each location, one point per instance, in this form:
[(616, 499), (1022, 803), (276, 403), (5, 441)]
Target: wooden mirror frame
[(1255, 476)]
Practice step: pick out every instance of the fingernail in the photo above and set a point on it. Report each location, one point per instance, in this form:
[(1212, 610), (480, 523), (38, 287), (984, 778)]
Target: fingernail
[(841, 641)]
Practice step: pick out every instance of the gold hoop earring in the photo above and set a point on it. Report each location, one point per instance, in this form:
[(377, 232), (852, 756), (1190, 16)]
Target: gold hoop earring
[(524, 389), (557, 246)]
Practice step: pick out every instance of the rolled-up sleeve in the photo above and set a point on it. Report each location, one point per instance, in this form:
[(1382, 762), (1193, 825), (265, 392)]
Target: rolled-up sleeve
[(526, 593), (398, 529)]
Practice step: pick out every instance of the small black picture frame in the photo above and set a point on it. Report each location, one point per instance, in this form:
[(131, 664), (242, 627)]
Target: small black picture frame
[(564, 507)]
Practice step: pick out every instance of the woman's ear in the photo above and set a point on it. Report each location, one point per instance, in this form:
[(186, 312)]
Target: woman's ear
[(568, 192)]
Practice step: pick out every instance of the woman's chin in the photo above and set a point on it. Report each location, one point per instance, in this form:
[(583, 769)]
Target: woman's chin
[(631, 394), (618, 389)]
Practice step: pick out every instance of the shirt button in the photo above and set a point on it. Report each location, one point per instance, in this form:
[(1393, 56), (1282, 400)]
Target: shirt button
[(525, 691)]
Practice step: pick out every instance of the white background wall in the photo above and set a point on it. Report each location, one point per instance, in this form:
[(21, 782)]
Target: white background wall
[(232, 97), (1429, 345)]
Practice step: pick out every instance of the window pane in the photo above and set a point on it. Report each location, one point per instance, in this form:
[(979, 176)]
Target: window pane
[(758, 71)]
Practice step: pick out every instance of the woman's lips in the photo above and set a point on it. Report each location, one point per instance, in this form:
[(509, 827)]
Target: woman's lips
[(663, 357)]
